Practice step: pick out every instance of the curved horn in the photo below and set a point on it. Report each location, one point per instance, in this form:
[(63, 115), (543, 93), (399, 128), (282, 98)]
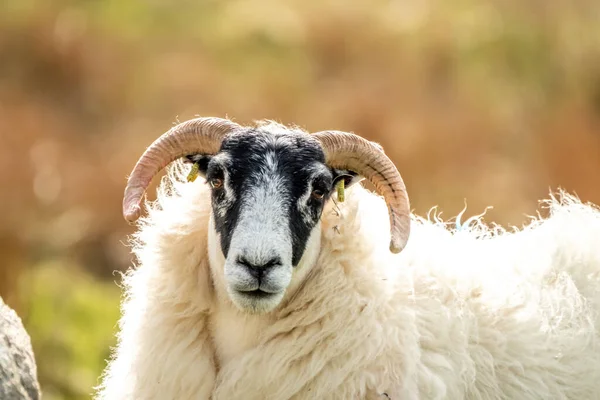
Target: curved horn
[(349, 151), (199, 135)]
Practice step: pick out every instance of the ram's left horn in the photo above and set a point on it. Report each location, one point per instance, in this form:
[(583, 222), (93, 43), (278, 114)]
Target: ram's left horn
[(345, 150)]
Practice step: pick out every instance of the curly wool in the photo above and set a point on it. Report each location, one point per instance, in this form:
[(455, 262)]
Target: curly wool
[(475, 313)]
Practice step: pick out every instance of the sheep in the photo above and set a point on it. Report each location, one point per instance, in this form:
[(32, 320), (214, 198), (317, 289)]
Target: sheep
[(255, 283)]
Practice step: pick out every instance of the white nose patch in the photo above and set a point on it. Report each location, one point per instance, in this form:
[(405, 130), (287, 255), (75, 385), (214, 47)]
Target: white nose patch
[(262, 231), (261, 235)]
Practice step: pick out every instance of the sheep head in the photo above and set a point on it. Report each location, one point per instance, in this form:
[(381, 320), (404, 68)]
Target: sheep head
[(269, 185)]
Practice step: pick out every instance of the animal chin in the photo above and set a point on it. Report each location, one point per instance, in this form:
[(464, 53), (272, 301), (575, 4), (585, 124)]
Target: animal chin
[(256, 301)]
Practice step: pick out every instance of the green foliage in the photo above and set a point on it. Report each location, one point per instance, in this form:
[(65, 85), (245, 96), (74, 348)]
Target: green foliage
[(71, 318)]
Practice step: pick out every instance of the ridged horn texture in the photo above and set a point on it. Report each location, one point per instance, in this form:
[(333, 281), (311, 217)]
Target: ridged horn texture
[(345, 150), (199, 135)]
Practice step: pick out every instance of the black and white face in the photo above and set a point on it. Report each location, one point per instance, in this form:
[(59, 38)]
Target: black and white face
[(268, 193)]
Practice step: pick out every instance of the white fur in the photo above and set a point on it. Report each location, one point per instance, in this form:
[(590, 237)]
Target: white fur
[(478, 313)]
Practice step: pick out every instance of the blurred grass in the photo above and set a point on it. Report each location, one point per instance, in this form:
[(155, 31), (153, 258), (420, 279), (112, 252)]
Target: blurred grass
[(493, 102), (71, 319)]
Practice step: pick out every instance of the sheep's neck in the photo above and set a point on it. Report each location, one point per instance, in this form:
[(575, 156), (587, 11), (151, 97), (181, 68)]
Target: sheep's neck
[(233, 332)]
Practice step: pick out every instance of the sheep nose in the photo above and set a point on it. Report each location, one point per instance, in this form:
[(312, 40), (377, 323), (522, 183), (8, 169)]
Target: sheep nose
[(258, 269)]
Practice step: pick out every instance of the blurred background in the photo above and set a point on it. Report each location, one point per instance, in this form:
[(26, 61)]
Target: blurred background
[(495, 102)]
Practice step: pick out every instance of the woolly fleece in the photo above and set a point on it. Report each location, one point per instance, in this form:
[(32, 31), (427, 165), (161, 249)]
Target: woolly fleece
[(476, 313)]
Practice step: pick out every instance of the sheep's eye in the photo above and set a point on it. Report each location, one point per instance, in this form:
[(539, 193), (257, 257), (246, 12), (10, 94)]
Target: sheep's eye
[(216, 183), (318, 194)]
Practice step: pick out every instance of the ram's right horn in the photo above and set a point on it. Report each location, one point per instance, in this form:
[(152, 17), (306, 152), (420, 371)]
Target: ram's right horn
[(199, 135)]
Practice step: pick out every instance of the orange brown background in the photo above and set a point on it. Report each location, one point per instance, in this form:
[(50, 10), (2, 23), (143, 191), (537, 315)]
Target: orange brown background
[(491, 102)]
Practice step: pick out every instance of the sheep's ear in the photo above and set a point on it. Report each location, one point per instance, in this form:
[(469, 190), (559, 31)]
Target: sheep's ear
[(350, 177), (200, 159)]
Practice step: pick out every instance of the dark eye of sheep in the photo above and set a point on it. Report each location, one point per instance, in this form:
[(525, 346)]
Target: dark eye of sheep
[(216, 183), (215, 177), (321, 186), (318, 194)]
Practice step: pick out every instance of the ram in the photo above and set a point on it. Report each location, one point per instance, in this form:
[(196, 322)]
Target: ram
[(257, 283)]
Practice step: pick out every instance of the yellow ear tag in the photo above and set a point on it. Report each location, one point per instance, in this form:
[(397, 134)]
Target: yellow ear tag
[(193, 172), (340, 190)]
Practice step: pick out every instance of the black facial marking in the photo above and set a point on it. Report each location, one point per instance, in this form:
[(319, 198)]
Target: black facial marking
[(300, 166), (303, 220)]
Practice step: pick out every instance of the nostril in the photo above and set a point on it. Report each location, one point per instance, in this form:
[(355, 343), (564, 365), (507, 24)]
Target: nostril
[(258, 269), (273, 262), (242, 260)]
